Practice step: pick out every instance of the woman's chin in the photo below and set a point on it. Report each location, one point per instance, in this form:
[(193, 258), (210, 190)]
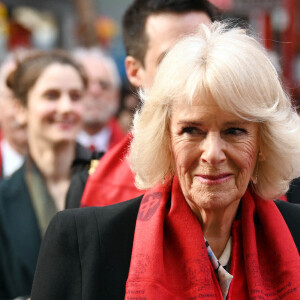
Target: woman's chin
[(212, 201), (60, 140)]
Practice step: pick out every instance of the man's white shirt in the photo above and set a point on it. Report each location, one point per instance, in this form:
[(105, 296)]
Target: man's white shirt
[(11, 159)]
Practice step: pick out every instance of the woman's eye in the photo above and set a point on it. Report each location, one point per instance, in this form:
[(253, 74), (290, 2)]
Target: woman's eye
[(191, 130), (75, 95), (235, 131), (52, 95)]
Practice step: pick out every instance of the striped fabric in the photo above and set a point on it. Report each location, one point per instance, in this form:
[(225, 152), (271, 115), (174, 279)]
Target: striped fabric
[(224, 277)]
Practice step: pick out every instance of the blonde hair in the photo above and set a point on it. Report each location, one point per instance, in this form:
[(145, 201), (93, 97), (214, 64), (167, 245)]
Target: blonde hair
[(231, 67)]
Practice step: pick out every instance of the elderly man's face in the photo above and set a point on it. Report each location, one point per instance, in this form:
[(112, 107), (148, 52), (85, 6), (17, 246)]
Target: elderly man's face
[(13, 129), (214, 152), (101, 101), (163, 30)]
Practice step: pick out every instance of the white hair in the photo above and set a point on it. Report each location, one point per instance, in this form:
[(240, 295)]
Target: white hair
[(97, 53), (231, 68)]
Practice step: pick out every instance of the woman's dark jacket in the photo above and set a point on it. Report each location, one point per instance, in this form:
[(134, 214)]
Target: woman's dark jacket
[(94, 246), (20, 235)]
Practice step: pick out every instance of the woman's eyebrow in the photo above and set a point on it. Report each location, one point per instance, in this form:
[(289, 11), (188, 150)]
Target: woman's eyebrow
[(189, 122), (236, 123), (192, 122)]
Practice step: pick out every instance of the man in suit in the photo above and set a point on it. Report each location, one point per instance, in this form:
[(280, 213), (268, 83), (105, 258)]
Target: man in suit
[(150, 28), (101, 130), (13, 145)]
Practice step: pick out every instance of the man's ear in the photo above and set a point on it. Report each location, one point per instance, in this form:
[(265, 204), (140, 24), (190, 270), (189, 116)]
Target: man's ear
[(134, 71), (20, 113)]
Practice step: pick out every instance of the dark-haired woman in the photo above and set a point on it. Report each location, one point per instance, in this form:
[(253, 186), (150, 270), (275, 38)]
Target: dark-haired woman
[(50, 88)]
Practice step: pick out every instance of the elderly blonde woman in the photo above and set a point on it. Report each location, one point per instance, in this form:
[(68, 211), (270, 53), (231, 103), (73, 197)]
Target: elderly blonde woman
[(215, 138)]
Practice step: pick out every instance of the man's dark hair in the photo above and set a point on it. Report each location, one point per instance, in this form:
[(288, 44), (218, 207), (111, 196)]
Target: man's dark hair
[(134, 20)]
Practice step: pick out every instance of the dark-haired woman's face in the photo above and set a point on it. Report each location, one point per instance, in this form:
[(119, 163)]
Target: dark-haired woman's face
[(54, 107)]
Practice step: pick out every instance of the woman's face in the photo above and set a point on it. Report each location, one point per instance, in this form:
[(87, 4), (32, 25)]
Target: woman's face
[(214, 154), (54, 107)]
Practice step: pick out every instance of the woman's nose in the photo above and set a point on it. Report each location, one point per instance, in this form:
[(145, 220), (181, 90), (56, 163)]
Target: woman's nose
[(213, 149), (65, 104)]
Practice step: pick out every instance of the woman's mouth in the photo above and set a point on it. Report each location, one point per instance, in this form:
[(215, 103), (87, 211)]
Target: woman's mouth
[(65, 125), (214, 179)]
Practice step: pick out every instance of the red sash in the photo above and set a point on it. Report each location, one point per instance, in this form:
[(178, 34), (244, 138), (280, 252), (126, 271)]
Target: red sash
[(169, 258), (117, 133), (112, 181)]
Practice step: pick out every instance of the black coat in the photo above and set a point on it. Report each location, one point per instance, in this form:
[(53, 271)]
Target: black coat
[(94, 246), (293, 194), (20, 236)]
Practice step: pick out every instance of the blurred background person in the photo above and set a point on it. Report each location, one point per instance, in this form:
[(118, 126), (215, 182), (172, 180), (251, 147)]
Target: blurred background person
[(13, 145), (101, 130), (49, 87)]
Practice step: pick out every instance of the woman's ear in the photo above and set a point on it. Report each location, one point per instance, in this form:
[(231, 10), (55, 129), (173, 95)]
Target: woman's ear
[(20, 113), (260, 156)]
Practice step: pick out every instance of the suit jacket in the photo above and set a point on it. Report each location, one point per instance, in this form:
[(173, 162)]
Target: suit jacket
[(293, 194), (86, 252), (20, 238), (79, 178)]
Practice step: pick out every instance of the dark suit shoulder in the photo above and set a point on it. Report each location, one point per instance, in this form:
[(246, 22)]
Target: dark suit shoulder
[(104, 214), (291, 215), (89, 219), (13, 184), (20, 237), (90, 249), (293, 194), (80, 172)]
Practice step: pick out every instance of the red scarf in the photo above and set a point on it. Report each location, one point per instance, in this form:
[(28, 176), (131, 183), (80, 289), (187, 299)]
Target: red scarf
[(113, 181), (169, 258), (117, 133)]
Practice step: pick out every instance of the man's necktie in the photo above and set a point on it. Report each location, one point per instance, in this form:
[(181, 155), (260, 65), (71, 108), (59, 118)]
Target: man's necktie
[(92, 148)]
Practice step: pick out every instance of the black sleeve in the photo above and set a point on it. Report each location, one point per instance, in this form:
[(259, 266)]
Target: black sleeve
[(86, 253), (79, 177), (15, 281), (58, 273), (16, 274), (293, 194), (291, 215)]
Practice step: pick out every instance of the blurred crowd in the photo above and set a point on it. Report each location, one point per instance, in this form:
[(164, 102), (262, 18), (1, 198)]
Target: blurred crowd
[(108, 105)]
